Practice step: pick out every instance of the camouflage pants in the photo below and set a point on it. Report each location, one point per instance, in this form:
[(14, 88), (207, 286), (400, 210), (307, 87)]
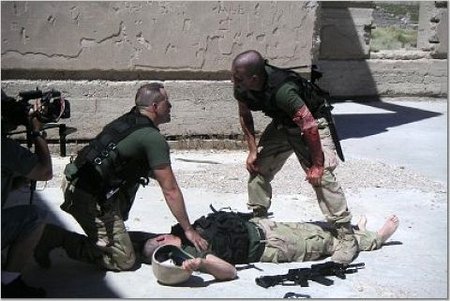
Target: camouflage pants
[(277, 145), (110, 245), (289, 242)]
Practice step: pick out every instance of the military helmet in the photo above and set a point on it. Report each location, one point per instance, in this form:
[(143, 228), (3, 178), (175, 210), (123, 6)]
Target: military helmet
[(166, 265)]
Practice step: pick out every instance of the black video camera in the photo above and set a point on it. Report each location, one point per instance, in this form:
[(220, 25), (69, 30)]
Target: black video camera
[(53, 107)]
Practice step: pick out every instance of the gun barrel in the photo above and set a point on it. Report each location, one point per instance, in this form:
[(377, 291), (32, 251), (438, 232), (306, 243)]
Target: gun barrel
[(32, 94), (356, 265)]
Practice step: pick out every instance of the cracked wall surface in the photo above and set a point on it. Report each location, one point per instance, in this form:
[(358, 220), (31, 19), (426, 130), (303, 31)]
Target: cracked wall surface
[(99, 53), (201, 36)]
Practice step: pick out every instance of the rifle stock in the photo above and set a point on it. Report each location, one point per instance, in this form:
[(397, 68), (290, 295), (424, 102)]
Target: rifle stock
[(268, 281)]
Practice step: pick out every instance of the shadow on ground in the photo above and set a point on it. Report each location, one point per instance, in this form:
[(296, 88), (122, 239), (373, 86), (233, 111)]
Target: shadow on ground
[(77, 279), (364, 125)]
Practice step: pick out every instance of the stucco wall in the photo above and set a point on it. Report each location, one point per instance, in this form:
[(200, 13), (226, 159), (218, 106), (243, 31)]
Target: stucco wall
[(351, 70), (200, 108), (98, 53), (433, 28), (345, 30), (120, 41), (154, 39), (395, 74)]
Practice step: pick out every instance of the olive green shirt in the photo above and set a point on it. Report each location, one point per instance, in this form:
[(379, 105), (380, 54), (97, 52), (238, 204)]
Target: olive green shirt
[(282, 106), (138, 154), (144, 149), (288, 98)]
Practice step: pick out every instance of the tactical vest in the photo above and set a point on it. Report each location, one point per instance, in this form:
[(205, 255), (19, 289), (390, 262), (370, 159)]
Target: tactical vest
[(266, 101), (225, 232), (98, 166)]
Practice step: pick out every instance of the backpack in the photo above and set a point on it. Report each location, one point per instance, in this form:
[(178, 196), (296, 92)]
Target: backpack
[(314, 97), (98, 165), (226, 232)]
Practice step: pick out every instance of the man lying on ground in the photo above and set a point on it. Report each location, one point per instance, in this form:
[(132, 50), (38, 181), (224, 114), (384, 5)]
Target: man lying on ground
[(235, 240)]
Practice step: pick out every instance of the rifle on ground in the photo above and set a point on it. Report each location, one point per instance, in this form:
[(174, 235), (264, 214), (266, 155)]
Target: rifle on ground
[(317, 272)]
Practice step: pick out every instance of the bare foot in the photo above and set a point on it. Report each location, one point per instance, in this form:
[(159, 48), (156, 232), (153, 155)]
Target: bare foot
[(362, 223), (389, 227)]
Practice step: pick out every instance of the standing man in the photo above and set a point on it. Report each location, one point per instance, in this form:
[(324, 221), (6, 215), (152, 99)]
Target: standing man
[(22, 225), (294, 129), (103, 180)]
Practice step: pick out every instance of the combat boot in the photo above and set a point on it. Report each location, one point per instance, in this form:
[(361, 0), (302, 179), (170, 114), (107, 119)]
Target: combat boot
[(52, 237), (346, 249), (76, 246), (19, 289)]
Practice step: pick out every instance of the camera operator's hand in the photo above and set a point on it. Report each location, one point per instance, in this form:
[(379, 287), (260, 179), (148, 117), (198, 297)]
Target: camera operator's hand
[(43, 171), (35, 124)]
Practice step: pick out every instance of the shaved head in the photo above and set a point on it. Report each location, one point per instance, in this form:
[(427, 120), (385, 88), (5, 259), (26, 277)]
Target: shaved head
[(250, 62), (148, 94)]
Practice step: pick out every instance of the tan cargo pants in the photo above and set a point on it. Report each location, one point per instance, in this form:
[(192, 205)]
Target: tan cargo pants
[(289, 242), (276, 145), (111, 245)]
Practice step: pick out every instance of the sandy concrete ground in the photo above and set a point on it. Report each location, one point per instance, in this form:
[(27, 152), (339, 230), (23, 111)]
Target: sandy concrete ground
[(396, 162)]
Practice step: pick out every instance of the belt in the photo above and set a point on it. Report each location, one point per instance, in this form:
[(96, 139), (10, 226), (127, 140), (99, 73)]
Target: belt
[(262, 242)]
